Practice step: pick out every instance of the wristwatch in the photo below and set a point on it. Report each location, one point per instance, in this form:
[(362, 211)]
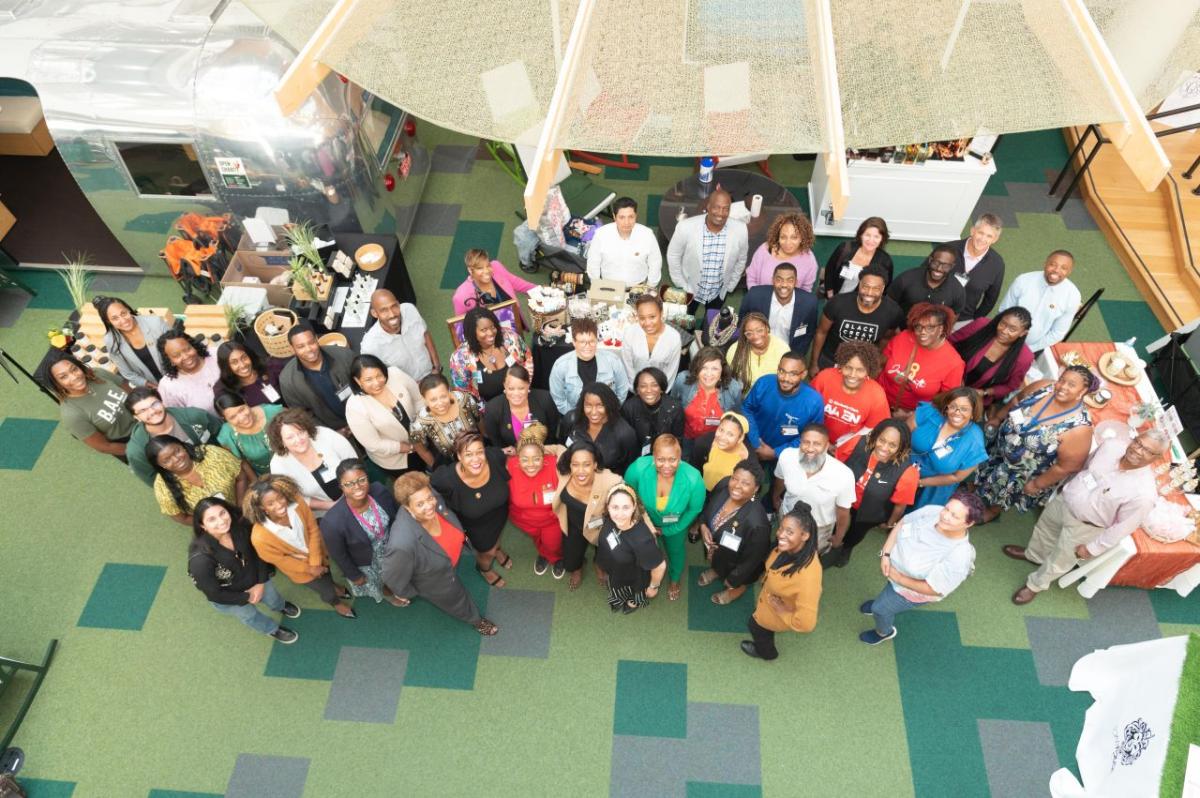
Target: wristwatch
[(883, 554)]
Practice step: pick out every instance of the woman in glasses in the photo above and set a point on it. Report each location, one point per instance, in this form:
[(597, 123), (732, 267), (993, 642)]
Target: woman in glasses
[(355, 531)]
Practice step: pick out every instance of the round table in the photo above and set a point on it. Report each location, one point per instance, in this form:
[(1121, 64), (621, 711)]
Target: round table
[(691, 195)]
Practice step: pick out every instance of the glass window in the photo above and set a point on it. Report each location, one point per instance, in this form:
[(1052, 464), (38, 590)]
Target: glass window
[(160, 169)]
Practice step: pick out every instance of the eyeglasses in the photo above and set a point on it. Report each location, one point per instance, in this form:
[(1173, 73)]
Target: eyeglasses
[(154, 405), (356, 483)]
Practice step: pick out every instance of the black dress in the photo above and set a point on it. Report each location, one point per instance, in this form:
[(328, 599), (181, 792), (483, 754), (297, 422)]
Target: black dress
[(650, 422), (483, 510), (743, 540), (617, 444), (628, 563), (574, 544)]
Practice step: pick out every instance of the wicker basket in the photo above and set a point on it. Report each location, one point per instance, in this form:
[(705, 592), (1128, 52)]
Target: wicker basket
[(276, 345)]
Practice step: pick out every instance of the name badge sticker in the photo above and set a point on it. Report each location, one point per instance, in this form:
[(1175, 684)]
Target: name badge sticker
[(671, 519), (962, 279), (789, 429), (595, 523), (270, 392), (547, 495), (712, 422), (614, 540), (344, 394), (943, 450), (801, 330), (730, 541)]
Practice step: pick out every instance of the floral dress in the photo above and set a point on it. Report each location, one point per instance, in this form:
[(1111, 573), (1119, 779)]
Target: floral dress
[(1022, 452), (375, 522), (438, 437)]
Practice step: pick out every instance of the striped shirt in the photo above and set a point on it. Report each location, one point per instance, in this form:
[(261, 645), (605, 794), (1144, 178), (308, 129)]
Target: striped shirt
[(712, 265)]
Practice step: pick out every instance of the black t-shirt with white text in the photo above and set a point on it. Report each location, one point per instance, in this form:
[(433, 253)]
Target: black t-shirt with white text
[(851, 324)]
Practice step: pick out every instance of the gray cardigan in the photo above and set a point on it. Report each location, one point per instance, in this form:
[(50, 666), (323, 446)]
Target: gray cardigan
[(128, 364), (414, 564)]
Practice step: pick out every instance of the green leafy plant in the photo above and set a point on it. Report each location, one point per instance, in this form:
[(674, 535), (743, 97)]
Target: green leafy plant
[(302, 238), (302, 272), (77, 277), (235, 317)]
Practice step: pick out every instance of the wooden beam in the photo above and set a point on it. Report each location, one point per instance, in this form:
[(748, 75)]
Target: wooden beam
[(825, 65), (545, 163), (306, 71), (1133, 138)]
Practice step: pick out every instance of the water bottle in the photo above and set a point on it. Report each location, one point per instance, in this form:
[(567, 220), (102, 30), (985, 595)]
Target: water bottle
[(706, 169)]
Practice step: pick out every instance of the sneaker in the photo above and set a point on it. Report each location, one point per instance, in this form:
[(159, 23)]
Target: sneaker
[(873, 638), (865, 607), (540, 565), (559, 570), (285, 635), (290, 610)]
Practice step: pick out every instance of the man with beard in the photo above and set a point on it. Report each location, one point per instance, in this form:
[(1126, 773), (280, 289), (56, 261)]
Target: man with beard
[(930, 284), (399, 337), (779, 406), (809, 474), (864, 315), (1049, 296), (188, 424)]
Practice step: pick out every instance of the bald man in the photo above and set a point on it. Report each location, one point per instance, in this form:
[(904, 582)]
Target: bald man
[(399, 336), (707, 254)]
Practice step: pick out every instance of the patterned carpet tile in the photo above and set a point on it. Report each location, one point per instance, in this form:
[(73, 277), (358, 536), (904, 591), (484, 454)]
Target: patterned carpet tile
[(122, 597)]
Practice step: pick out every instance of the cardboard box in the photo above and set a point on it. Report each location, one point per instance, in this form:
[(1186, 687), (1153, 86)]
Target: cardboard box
[(246, 243), (36, 142), (610, 292), (263, 265), (7, 220)]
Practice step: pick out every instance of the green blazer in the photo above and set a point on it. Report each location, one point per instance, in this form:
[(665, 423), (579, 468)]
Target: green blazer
[(683, 505)]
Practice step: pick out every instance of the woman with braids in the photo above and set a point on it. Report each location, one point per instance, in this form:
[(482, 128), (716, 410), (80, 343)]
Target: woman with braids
[(286, 535), (854, 401), (479, 364), (885, 486), (355, 532), (919, 363), (242, 372), (189, 371), (1043, 437), (791, 586), (475, 488), (186, 474), (532, 484), (995, 353), (926, 557), (756, 352), (626, 551)]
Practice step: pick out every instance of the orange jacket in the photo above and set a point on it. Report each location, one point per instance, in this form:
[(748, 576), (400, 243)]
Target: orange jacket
[(287, 558), (801, 592)]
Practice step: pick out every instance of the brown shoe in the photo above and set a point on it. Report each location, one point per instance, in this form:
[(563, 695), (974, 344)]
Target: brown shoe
[(1016, 552), (1023, 596)]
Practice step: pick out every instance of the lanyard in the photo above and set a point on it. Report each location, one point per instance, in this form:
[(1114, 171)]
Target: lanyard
[(1037, 418)]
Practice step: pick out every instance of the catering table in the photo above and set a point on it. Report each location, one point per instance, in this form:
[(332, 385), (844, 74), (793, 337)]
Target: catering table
[(691, 195), (392, 276), (1139, 560)]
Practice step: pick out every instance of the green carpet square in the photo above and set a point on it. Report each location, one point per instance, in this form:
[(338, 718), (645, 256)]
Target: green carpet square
[(801, 195), (709, 789), (123, 596), (1025, 157), (704, 616), (22, 441), (181, 794), (649, 217), (51, 291), (1170, 607), (469, 235), (1126, 319), (651, 699), (48, 788)]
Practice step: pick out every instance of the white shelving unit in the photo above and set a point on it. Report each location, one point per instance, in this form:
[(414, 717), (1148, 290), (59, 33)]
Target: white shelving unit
[(931, 201)]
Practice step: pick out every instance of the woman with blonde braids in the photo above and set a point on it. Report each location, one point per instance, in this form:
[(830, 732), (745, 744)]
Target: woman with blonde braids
[(756, 352), (286, 535), (532, 483), (626, 552)]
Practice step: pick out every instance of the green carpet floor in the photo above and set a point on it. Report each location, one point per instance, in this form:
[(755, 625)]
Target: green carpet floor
[(154, 694)]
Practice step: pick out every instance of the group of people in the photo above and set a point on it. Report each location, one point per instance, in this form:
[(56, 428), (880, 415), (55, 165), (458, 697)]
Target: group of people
[(898, 406)]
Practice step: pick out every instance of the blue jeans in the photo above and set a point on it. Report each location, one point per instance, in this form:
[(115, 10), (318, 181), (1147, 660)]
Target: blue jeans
[(249, 614), (886, 606)]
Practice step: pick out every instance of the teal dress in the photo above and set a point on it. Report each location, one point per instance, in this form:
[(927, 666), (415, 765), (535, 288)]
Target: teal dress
[(254, 449), (683, 505), (964, 449)]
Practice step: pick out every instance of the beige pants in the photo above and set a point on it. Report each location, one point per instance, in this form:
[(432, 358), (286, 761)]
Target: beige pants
[(1052, 545), (824, 537)]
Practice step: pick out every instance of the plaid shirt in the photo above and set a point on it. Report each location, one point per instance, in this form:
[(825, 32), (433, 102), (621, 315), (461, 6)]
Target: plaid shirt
[(712, 265)]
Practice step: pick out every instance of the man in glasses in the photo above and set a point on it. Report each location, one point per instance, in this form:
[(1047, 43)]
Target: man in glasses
[(188, 424), (932, 283), (779, 407)]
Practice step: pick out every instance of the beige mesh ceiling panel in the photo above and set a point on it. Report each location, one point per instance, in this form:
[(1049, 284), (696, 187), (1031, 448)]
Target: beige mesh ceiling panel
[(690, 77)]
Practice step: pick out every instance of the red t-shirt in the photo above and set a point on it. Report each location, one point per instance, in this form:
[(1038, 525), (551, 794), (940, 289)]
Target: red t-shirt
[(529, 497), (847, 413), (702, 414), (451, 539), (930, 372)]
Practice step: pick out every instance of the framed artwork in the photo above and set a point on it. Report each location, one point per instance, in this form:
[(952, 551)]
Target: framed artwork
[(507, 312)]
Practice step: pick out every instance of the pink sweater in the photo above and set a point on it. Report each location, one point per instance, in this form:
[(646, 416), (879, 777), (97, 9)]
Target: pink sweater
[(464, 295), (762, 268)]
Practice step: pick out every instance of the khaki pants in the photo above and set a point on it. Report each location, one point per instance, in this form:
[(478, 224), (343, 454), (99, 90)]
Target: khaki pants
[(824, 536), (1052, 545)]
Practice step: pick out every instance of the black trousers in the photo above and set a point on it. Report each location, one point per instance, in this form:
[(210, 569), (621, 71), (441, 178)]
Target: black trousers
[(574, 550), (712, 304), (764, 640), (325, 587), (855, 533)]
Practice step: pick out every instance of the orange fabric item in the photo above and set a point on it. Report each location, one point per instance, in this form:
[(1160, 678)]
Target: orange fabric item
[(180, 251), (1155, 563), (451, 540)]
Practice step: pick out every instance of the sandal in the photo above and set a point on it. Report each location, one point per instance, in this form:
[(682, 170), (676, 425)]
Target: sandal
[(673, 592), (506, 563), (707, 578), (497, 582), (694, 536), (629, 609), (398, 601), (721, 598), (486, 627)]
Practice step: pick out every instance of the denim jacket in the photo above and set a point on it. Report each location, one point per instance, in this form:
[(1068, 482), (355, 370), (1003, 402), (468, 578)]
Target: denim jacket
[(565, 385)]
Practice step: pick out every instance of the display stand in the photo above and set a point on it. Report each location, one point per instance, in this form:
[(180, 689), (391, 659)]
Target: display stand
[(930, 201)]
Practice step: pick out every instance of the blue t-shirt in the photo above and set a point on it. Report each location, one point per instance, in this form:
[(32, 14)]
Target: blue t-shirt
[(777, 419)]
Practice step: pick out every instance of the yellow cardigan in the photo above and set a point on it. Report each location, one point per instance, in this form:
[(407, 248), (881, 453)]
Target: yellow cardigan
[(801, 592), (604, 482), (287, 558)]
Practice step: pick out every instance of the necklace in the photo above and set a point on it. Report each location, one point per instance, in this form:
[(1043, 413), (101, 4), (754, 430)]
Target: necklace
[(727, 511)]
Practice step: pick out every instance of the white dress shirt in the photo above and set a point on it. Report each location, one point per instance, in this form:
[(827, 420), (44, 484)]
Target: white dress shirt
[(1052, 307), (781, 318), (825, 491), (1105, 496), (406, 349), (635, 354), (631, 260)]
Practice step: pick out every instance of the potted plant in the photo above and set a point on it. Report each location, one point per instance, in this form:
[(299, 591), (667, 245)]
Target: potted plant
[(236, 318), (1144, 413)]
